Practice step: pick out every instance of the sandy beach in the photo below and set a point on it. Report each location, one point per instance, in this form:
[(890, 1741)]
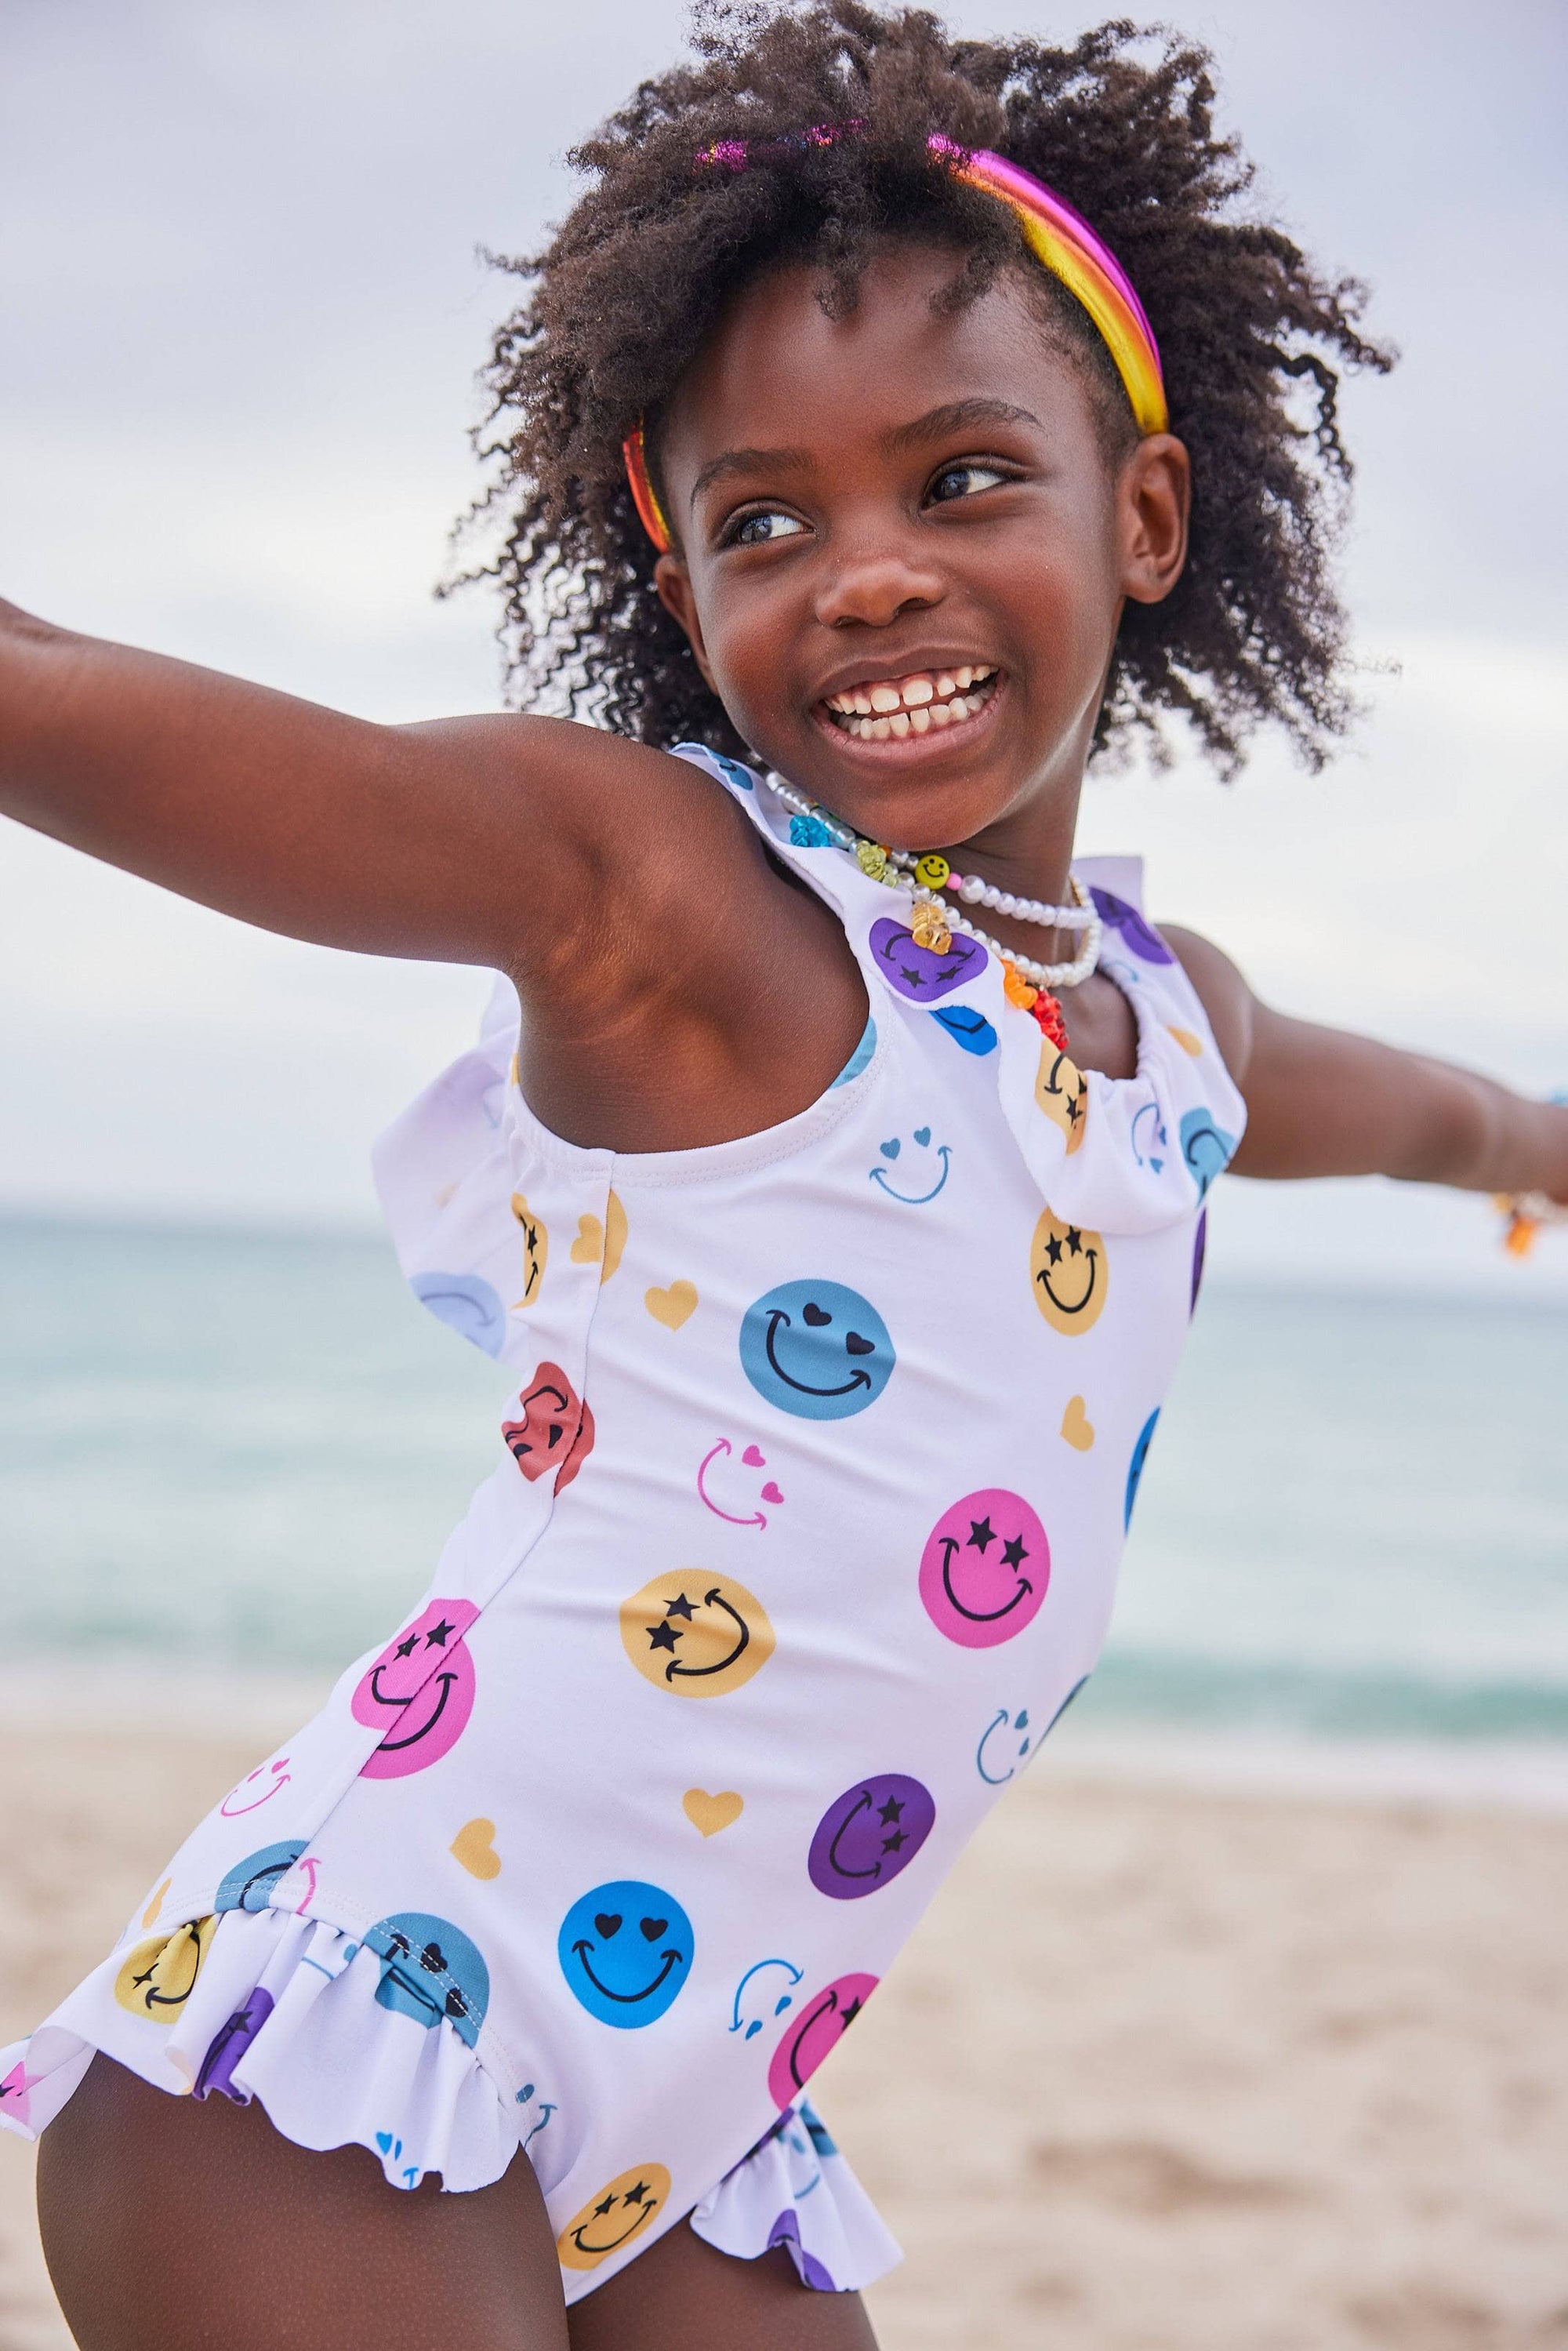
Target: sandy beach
[(1167, 2067)]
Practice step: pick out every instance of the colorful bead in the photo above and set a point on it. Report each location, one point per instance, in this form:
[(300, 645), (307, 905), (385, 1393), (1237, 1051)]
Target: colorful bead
[(1017, 988), (872, 858), (1047, 1012), (931, 871), (929, 929), (810, 832)]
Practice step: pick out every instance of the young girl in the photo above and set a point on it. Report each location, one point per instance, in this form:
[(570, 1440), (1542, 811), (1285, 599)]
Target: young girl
[(896, 422)]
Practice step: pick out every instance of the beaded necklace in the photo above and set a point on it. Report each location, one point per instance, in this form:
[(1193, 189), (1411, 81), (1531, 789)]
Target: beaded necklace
[(932, 924)]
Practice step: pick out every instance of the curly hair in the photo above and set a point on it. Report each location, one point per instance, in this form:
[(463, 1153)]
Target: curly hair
[(1122, 124)]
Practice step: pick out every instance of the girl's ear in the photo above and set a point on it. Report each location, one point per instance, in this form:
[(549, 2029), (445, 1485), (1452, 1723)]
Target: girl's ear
[(673, 583), (1154, 499)]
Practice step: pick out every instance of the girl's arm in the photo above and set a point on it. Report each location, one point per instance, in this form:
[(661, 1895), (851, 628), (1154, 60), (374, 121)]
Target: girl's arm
[(498, 840), (1321, 1101)]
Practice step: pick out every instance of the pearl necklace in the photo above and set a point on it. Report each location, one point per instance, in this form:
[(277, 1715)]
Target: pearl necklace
[(924, 876)]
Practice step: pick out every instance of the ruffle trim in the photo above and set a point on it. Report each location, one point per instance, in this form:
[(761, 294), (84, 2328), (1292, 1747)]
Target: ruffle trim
[(270, 2005), (795, 2189), (278, 2011)]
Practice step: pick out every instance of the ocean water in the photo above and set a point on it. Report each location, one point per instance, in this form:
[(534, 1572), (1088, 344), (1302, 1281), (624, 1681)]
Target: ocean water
[(237, 1456)]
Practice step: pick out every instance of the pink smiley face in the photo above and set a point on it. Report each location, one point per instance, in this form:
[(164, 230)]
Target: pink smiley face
[(258, 1787), (814, 2032), (985, 1568), (419, 1693), (712, 1478)]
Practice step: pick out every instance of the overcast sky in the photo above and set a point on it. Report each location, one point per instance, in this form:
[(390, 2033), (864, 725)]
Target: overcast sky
[(243, 313)]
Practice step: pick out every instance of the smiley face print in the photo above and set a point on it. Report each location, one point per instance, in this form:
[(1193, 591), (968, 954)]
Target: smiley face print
[(816, 1349), (626, 1950), (621, 2211), (920, 973), (258, 1787), (1136, 1466), (1070, 1278), (420, 1692), (1139, 938), (1206, 1147), (1061, 1091), (229, 2046), (969, 1030), (814, 2032), (466, 1304), (717, 1478), (699, 1634), (869, 1835), (159, 1975), (249, 1884), (918, 1178), (430, 1970), (985, 1569), (536, 1250), (553, 1433)]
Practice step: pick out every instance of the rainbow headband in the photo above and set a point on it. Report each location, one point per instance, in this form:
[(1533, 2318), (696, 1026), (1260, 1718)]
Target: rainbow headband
[(1062, 243)]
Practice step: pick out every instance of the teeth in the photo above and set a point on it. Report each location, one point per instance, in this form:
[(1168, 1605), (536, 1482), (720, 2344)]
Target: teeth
[(884, 712)]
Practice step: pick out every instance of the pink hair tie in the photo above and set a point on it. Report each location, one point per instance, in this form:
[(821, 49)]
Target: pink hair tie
[(1061, 240)]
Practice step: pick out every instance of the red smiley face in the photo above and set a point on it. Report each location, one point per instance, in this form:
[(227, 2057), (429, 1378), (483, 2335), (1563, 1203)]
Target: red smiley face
[(556, 1430)]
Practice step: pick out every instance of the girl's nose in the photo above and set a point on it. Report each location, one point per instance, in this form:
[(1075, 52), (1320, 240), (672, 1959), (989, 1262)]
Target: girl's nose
[(871, 591)]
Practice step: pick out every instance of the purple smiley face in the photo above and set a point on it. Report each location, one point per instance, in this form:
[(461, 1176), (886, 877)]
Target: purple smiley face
[(868, 1835), (1136, 934), (218, 2065), (918, 972)]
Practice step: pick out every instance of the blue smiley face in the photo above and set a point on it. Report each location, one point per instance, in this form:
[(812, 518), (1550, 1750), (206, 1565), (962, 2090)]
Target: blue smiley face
[(468, 1305), (430, 1970), (249, 1884), (967, 1027), (816, 1349), (1205, 1148), (1136, 1466), (923, 1175), (625, 1948)]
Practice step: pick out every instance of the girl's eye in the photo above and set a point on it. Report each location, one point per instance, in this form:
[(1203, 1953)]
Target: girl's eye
[(762, 529), (963, 481)]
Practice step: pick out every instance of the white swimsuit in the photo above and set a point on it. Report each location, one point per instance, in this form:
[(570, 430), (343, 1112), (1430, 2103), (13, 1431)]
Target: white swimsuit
[(803, 1530)]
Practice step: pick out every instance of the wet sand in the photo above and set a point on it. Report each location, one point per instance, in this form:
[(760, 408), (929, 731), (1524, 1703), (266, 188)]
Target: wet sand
[(1167, 2068)]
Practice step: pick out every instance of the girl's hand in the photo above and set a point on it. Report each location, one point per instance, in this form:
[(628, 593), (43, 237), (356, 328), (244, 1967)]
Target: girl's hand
[(1322, 1102)]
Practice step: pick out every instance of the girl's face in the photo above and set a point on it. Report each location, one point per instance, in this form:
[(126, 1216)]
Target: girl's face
[(904, 553)]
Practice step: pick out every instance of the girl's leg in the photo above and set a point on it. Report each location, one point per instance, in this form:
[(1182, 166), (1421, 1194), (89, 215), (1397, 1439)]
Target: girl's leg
[(174, 2225), (682, 2295)]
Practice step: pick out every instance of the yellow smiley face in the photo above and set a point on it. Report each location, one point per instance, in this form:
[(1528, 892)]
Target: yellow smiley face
[(536, 1250), (1061, 1091), (621, 2211), (1069, 1275), (158, 1978), (696, 1633)]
